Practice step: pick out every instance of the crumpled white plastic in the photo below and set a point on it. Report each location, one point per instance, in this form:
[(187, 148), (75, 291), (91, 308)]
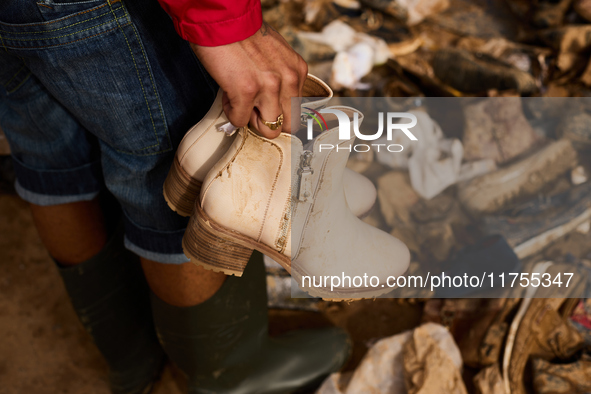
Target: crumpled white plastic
[(420, 9), (357, 53), (433, 162)]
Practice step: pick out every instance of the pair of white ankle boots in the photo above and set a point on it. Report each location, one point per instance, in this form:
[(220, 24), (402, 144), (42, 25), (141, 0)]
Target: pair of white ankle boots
[(299, 206)]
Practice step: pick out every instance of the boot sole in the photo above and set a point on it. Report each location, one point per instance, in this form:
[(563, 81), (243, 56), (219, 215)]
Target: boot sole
[(180, 190), (216, 248)]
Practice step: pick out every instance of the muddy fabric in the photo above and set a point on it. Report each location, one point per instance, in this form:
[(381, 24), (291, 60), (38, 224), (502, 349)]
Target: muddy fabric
[(396, 196), (479, 326), (432, 358), (489, 381), (469, 73), (496, 129), (583, 8), (331, 385), (411, 12), (381, 370), (428, 367), (562, 378), (581, 319), (575, 127), (543, 332)]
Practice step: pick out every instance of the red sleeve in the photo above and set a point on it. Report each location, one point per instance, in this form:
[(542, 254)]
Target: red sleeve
[(214, 22)]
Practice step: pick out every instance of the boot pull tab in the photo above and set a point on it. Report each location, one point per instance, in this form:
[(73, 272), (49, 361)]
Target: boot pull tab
[(228, 128), (305, 174)]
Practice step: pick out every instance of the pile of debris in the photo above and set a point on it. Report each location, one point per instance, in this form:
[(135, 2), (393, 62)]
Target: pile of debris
[(501, 341), (441, 47), (498, 175), (501, 173), (508, 188)]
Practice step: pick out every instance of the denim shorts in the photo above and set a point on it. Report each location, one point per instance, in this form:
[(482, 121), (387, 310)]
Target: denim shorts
[(98, 94)]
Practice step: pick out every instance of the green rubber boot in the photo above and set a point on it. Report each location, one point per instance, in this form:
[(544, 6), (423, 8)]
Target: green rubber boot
[(223, 345), (112, 300)]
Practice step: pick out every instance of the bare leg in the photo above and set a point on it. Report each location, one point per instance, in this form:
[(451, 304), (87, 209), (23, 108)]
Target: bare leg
[(73, 232), (182, 284)]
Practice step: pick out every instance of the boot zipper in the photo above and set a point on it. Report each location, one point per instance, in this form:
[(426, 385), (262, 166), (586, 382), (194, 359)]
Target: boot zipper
[(305, 176), (303, 184)]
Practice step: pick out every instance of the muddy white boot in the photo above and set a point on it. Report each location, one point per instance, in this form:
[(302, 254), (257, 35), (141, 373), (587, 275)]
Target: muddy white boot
[(289, 203), (205, 144)]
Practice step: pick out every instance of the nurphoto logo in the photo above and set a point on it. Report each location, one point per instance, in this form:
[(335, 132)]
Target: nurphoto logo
[(345, 129)]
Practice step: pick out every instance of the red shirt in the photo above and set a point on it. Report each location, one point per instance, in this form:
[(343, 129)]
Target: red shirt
[(214, 22)]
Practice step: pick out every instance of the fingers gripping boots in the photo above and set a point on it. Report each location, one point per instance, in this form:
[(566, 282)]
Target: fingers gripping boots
[(204, 145), (290, 206), (223, 346)]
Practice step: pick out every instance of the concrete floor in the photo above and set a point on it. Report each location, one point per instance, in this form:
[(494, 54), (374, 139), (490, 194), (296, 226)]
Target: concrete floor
[(45, 350)]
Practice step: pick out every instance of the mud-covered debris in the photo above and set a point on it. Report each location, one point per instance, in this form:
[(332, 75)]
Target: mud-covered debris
[(496, 129), (549, 13), (319, 13), (268, 3), (396, 196), (578, 175), (489, 381), (476, 73), (283, 14), (476, 168), (424, 357), (390, 80), (586, 75), (410, 11), (519, 181), (405, 47), (571, 38), (557, 378), (431, 362), (521, 8), (577, 128), (572, 44), (583, 8), (484, 19), (528, 58), (310, 50), (542, 13)]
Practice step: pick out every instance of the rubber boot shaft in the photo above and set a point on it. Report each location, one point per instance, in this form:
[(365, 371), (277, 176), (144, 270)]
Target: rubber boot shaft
[(223, 346), (111, 298)]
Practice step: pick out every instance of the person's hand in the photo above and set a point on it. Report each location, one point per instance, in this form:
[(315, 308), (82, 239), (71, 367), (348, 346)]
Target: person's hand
[(259, 76)]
